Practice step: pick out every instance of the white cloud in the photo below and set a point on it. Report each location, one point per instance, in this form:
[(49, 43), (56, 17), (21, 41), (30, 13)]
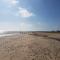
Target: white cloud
[(25, 13), (22, 12), (11, 2), (25, 27), (8, 26)]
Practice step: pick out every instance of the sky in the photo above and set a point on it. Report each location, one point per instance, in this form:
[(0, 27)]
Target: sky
[(29, 15)]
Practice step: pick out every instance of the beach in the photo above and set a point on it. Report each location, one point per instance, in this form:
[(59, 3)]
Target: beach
[(30, 46)]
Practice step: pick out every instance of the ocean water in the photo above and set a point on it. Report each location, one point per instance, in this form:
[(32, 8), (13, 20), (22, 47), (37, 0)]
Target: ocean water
[(2, 33)]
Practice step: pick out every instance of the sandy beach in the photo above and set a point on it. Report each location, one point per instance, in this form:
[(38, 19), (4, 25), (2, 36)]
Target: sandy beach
[(30, 46)]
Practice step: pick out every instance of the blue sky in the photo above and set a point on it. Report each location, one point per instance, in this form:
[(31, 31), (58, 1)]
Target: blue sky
[(29, 15)]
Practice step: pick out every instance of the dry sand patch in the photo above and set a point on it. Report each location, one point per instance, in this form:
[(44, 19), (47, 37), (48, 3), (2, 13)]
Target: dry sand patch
[(29, 47)]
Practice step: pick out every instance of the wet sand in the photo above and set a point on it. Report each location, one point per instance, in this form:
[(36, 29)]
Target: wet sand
[(30, 46)]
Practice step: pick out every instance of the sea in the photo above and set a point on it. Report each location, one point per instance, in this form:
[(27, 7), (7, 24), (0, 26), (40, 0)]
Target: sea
[(2, 34)]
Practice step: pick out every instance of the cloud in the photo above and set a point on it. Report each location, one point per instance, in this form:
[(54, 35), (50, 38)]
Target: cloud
[(25, 12), (20, 11), (8, 26), (25, 27), (11, 2)]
